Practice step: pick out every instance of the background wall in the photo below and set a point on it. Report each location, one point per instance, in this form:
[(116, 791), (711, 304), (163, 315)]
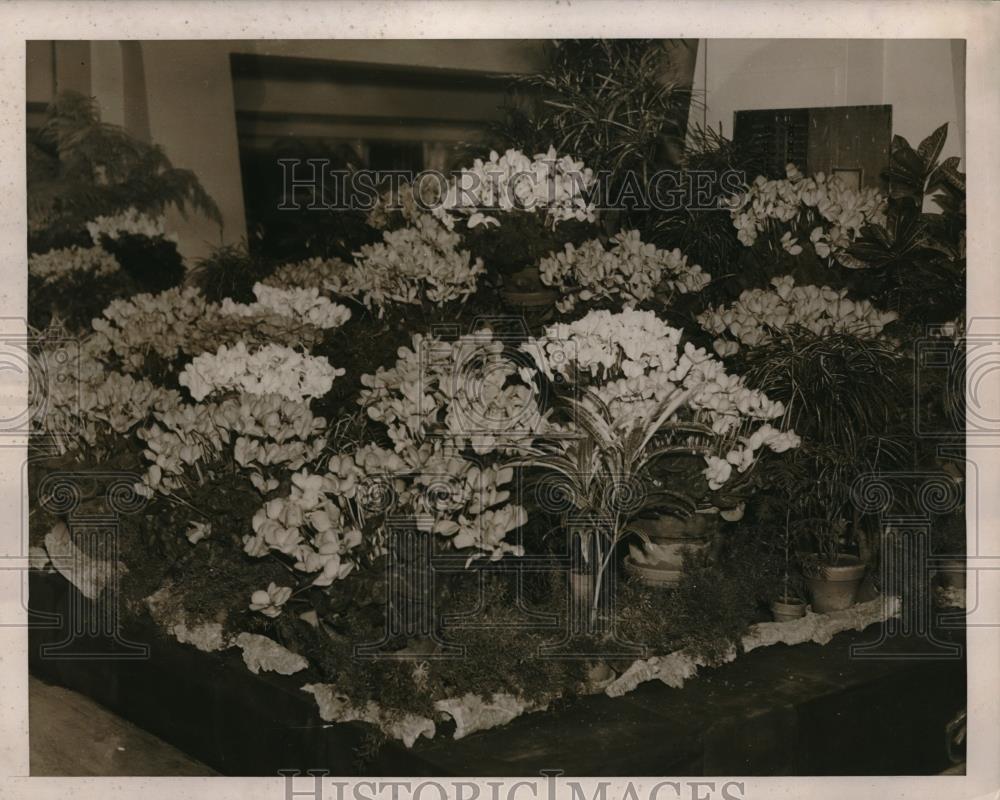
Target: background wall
[(923, 80), (182, 95)]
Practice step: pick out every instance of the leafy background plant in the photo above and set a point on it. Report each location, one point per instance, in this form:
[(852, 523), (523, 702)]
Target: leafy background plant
[(80, 167)]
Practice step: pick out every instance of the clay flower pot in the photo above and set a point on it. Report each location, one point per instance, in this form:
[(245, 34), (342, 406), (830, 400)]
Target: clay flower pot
[(835, 586), (660, 562), (786, 609), (525, 289)]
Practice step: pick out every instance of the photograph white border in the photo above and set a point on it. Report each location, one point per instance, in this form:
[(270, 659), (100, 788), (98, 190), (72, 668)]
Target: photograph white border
[(976, 22)]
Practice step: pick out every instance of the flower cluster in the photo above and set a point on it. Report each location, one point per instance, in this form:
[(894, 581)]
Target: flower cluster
[(82, 405), (130, 222), (840, 212), (558, 186), (300, 304), (633, 361), (439, 400), (273, 369), (410, 266), (319, 523), (252, 434), (720, 470), (72, 261), (163, 323), (181, 321), (313, 273), (409, 203), (308, 526), (629, 271), (760, 314), (466, 391)]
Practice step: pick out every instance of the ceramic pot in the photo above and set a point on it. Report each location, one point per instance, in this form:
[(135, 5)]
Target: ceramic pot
[(835, 587), (660, 562), (786, 609), (524, 289)]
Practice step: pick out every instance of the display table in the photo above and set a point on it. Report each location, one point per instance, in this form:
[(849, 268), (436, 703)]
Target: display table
[(803, 710)]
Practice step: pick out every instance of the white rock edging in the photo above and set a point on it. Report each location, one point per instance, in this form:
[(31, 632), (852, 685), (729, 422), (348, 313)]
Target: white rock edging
[(678, 667), (334, 707), (472, 712), (262, 653), (259, 652), (87, 574)]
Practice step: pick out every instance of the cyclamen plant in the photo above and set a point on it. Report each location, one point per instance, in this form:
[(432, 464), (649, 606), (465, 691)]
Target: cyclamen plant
[(301, 304), (273, 369), (62, 263), (761, 314), (413, 265), (820, 207), (182, 322), (86, 407), (131, 222), (547, 183), (629, 272)]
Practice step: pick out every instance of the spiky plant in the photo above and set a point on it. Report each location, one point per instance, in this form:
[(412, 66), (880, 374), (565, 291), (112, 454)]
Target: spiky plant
[(841, 394), (606, 102)]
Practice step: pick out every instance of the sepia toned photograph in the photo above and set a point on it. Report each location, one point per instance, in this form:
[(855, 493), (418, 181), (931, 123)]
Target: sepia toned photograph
[(555, 408)]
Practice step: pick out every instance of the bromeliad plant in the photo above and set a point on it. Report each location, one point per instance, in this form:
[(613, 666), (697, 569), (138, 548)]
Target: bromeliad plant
[(648, 427)]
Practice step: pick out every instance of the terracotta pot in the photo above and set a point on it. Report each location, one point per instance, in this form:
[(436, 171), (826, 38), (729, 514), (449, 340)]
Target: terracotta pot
[(951, 574), (525, 289), (660, 562), (788, 608), (669, 528), (836, 586)]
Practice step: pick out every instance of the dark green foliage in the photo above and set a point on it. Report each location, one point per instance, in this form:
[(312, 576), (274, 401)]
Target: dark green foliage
[(80, 168), (153, 263), (706, 235), (604, 102), (915, 263), (231, 271), (707, 614), (837, 388), (45, 239), (75, 300), (842, 395), (287, 226)]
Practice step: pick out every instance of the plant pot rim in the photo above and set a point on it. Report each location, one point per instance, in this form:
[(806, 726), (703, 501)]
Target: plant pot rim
[(847, 568), (677, 527), (667, 577), (788, 602), (535, 298)]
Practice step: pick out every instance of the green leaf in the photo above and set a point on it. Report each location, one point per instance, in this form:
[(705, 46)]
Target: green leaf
[(930, 148)]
